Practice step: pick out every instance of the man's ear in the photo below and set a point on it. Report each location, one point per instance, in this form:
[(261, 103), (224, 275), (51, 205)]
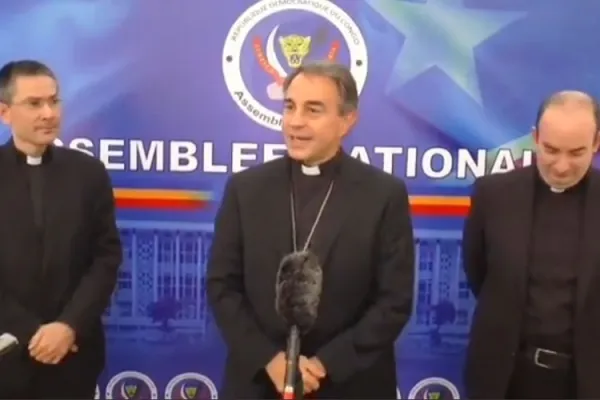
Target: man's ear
[(5, 116), (350, 120), (535, 134)]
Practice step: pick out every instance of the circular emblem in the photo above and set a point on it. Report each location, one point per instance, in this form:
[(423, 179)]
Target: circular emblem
[(434, 388), (131, 385), (254, 70), (191, 386)]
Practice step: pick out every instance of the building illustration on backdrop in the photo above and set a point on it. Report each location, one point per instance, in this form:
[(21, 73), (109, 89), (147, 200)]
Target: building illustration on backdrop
[(162, 282)]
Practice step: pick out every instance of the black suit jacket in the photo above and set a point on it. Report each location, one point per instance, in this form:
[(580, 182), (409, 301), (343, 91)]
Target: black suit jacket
[(496, 252), (69, 274), (365, 244)]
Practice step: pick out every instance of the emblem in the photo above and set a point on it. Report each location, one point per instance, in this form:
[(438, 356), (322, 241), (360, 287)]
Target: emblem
[(131, 385), (434, 388), (191, 385), (254, 70)]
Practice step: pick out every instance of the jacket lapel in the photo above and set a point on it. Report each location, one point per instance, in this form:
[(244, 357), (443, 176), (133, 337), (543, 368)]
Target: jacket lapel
[(520, 220), (337, 210), (18, 212), (589, 242), (56, 212), (522, 225), (276, 215)]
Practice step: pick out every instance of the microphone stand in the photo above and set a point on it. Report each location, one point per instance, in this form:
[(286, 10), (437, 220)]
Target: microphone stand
[(292, 388)]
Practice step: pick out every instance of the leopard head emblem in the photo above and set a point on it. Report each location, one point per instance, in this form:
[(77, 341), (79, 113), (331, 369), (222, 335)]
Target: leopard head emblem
[(295, 48)]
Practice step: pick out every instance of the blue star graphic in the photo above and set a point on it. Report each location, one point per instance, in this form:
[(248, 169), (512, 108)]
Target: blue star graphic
[(443, 34)]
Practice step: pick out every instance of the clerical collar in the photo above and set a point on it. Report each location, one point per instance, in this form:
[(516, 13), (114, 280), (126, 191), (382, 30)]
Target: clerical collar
[(31, 160), (325, 169), (578, 186), (311, 171)]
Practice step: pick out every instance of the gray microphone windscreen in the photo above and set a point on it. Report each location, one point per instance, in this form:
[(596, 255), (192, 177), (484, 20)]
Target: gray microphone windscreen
[(298, 289)]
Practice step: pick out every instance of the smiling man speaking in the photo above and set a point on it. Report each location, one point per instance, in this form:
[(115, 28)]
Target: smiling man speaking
[(351, 216)]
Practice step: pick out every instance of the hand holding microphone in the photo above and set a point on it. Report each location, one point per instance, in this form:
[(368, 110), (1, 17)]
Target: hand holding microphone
[(312, 371), (297, 297)]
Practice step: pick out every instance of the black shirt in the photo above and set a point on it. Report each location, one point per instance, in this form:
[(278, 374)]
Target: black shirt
[(309, 193), (553, 266)]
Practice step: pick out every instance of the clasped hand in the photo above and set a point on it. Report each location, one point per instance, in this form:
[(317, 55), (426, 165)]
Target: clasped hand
[(312, 371), (51, 342)]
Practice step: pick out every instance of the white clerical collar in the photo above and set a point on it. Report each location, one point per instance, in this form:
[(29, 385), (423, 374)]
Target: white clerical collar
[(34, 160), (312, 171)]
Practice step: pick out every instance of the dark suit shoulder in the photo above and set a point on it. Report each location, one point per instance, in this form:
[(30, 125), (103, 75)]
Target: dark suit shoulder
[(254, 181), (6, 151), (503, 181), (595, 173), (374, 177), (261, 171), (77, 157), (79, 161)]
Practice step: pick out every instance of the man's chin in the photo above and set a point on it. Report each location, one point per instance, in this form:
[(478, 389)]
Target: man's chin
[(300, 156), (561, 185), (46, 140)]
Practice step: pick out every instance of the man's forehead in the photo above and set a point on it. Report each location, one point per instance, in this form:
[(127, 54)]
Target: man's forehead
[(308, 88), (566, 141), (35, 86), (568, 115), (570, 122), (571, 146), (299, 100), (309, 99)]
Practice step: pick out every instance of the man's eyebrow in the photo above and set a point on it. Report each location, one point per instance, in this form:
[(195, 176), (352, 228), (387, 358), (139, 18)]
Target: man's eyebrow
[(54, 96), (315, 103), (312, 103)]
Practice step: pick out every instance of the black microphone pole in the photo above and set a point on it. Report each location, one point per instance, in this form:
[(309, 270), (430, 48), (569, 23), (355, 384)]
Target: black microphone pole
[(292, 390), (297, 295)]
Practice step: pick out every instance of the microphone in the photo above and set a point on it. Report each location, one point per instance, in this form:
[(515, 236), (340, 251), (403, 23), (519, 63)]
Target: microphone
[(297, 296), (8, 343)]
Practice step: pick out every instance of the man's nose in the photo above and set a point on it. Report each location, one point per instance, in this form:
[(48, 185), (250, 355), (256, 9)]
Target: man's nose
[(47, 111), (561, 166), (297, 119)]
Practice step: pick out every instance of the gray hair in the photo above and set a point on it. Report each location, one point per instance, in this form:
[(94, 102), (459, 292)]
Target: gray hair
[(339, 74), (15, 69)]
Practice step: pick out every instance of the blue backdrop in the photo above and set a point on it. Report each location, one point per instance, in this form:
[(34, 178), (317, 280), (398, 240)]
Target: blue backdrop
[(173, 98)]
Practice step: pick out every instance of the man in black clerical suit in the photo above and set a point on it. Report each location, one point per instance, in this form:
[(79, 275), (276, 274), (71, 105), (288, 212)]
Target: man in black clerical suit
[(59, 246), (532, 258), (363, 241)]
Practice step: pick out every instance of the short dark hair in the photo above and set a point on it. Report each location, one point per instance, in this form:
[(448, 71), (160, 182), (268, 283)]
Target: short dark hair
[(15, 69), (338, 73), (566, 97)]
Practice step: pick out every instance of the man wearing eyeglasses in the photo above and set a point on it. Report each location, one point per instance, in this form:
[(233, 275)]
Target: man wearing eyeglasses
[(59, 246)]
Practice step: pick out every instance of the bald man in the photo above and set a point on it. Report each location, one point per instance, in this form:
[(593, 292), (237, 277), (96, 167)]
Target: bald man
[(531, 247)]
